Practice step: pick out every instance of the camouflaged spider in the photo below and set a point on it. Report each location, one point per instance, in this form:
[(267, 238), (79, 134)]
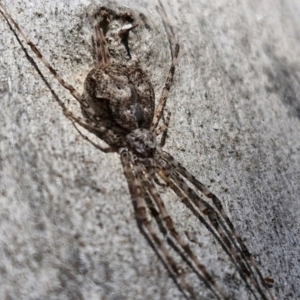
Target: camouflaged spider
[(118, 106)]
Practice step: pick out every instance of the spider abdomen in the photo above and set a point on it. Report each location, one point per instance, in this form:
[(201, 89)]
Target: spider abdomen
[(122, 94)]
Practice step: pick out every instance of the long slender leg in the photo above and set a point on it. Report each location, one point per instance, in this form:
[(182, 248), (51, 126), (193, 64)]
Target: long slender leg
[(220, 239), (101, 50), (216, 222), (161, 129), (105, 150), (166, 90), (216, 201), (136, 191), (39, 55), (111, 138), (183, 191), (168, 27), (170, 226), (169, 81)]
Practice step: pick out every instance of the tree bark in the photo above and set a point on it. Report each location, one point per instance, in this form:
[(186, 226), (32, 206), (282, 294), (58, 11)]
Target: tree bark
[(68, 229)]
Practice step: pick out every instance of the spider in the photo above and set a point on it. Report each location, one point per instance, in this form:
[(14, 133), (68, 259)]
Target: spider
[(118, 106)]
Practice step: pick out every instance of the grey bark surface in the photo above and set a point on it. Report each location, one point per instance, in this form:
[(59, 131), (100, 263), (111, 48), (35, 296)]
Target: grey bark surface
[(68, 229)]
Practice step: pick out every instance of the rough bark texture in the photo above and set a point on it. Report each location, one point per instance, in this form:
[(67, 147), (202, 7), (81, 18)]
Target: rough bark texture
[(67, 225)]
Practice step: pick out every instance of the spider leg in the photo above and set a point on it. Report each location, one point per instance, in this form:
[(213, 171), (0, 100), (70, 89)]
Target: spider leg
[(217, 233), (165, 92), (161, 129), (206, 277), (158, 182), (216, 222), (168, 27), (39, 55), (105, 150), (138, 197), (218, 204), (169, 81), (110, 137), (101, 50)]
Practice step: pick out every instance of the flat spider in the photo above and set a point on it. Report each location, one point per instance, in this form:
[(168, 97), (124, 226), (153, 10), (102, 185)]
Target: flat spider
[(118, 106)]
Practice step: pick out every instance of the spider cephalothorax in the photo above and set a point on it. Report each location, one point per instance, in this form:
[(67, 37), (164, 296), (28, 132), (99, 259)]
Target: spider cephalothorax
[(142, 141), (118, 106)]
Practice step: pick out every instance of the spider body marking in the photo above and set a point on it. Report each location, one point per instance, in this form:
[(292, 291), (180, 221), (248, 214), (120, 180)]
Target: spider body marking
[(122, 94)]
